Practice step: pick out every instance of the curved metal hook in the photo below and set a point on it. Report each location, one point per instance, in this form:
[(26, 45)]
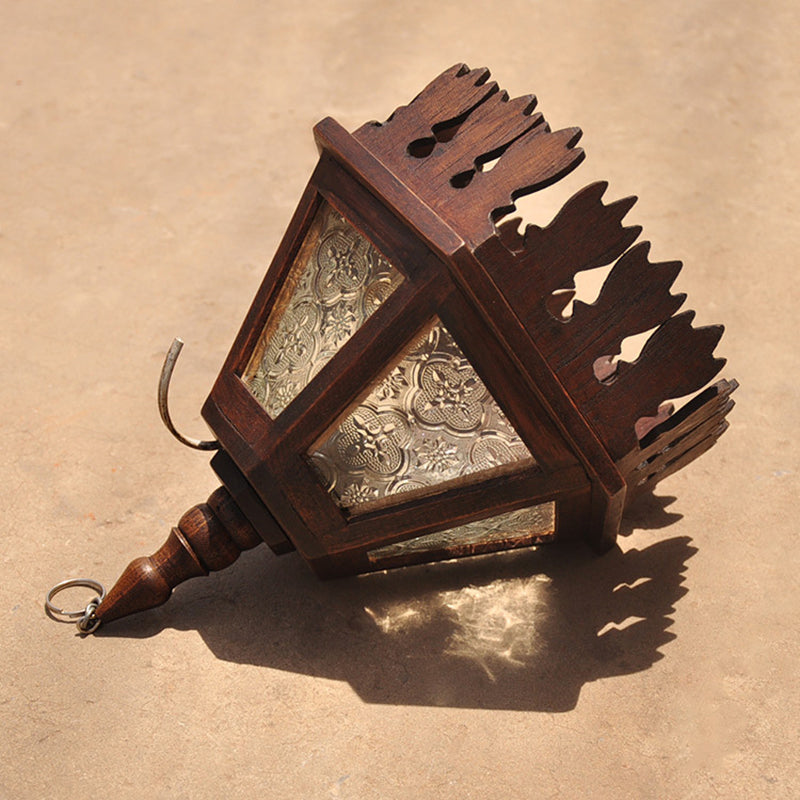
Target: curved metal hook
[(163, 406)]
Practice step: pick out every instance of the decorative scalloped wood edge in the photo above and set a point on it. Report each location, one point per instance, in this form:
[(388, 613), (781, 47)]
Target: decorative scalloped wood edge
[(679, 438), (439, 144), (540, 266)]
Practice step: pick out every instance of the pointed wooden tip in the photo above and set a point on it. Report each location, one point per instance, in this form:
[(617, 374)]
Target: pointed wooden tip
[(140, 587), (209, 537)]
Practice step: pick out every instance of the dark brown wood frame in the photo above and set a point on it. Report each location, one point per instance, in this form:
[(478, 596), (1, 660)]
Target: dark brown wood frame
[(420, 188), (435, 263)]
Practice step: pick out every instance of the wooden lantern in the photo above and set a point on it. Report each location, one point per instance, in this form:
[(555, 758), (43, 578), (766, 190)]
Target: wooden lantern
[(406, 386)]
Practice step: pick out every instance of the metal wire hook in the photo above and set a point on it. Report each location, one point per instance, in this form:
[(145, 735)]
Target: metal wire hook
[(163, 395)]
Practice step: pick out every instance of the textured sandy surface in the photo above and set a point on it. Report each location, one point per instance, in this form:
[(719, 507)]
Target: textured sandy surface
[(151, 154)]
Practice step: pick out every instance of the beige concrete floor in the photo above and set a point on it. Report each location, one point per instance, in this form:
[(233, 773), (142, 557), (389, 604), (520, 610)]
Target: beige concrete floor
[(151, 154)]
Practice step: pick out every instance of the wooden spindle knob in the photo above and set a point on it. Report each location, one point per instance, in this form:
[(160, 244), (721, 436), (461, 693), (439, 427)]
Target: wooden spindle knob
[(209, 537)]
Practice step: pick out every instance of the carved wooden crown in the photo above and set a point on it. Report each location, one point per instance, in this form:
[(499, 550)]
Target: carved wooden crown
[(438, 146)]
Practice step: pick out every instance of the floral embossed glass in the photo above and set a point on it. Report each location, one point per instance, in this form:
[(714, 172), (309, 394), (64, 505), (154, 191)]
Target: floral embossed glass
[(518, 528), (428, 422), (338, 280)]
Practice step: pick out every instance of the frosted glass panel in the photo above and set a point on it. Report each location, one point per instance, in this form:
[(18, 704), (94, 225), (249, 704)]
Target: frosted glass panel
[(512, 529), (428, 422), (338, 280)]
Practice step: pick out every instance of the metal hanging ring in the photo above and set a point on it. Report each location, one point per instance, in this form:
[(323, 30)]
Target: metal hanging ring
[(60, 615), (90, 622), (163, 396)]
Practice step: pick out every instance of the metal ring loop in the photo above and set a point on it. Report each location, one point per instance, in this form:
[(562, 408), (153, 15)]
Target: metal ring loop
[(90, 622), (60, 614)]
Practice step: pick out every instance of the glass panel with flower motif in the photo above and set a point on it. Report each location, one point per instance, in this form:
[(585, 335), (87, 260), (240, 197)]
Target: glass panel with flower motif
[(430, 421), (337, 281)]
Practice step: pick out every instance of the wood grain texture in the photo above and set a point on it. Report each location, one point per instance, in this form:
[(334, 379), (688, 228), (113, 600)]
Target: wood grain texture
[(542, 263), (208, 537), (439, 143)]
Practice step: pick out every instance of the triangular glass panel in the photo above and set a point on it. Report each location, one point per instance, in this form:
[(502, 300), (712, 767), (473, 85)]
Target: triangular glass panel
[(337, 281), (429, 422)]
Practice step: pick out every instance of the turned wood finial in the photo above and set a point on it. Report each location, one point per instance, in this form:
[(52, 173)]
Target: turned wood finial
[(209, 537)]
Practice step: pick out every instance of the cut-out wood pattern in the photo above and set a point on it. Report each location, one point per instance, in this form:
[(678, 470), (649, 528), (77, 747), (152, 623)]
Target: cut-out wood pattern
[(679, 438), (438, 145)]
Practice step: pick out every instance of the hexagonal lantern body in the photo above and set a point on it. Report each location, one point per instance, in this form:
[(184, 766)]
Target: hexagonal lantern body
[(406, 386)]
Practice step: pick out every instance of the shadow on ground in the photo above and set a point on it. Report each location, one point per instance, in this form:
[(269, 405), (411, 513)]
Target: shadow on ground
[(523, 630)]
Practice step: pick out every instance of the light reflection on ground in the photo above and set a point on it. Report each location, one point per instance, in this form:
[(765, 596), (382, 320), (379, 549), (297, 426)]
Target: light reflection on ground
[(496, 622)]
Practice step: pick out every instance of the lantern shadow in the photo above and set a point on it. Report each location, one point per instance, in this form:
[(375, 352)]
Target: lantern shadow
[(648, 511), (522, 630)]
